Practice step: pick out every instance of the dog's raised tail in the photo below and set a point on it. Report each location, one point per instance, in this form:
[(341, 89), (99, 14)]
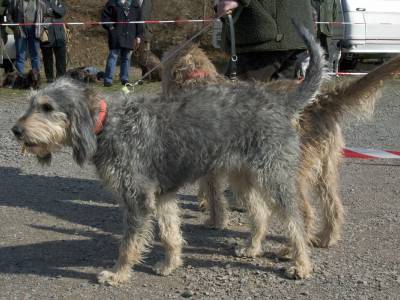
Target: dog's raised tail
[(358, 97), (306, 91)]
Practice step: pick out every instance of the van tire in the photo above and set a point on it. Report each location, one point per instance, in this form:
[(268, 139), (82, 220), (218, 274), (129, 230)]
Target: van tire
[(348, 64)]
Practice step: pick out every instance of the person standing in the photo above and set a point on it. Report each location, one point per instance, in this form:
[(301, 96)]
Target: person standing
[(122, 37), (27, 36), (326, 11), (55, 45), (267, 43)]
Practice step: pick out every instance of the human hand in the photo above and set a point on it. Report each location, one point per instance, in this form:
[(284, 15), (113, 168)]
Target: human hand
[(225, 7), (49, 12), (136, 42)]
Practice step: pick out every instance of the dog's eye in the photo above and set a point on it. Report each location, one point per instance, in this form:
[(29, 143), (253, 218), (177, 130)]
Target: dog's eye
[(47, 107)]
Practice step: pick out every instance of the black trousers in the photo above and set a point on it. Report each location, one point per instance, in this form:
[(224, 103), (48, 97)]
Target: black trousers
[(48, 61), (325, 42), (267, 66)]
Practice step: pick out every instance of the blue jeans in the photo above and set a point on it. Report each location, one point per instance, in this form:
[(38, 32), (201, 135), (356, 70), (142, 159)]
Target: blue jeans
[(33, 45), (125, 55)]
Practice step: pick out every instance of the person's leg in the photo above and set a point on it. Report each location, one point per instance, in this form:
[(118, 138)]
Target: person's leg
[(34, 49), (323, 39), (47, 54), (61, 63), (125, 64), (288, 62), (110, 66), (20, 48), (1, 50), (259, 66)]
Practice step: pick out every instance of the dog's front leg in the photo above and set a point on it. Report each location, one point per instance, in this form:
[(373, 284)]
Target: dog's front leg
[(138, 227), (170, 234)]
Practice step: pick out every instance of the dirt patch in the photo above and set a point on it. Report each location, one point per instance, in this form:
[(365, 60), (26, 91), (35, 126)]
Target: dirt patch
[(88, 45)]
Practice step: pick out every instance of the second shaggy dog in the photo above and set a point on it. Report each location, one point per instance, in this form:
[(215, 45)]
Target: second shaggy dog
[(320, 136)]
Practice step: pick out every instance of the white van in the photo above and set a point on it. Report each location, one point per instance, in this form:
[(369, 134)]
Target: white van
[(371, 29)]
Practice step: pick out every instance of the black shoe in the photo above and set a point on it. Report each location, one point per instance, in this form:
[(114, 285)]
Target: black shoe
[(107, 84), (124, 82)]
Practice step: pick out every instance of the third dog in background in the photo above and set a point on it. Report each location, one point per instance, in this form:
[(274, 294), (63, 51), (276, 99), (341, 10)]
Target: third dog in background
[(16, 80)]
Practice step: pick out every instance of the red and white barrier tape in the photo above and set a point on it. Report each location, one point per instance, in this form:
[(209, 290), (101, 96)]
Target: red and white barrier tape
[(111, 23), (355, 23), (365, 153), (163, 22), (346, 74)]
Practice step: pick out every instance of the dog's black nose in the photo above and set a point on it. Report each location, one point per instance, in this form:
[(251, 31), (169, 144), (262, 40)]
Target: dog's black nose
[(17, 130)]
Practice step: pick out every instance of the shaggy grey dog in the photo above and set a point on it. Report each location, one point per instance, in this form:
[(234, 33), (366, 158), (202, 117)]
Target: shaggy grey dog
[(145, 148)]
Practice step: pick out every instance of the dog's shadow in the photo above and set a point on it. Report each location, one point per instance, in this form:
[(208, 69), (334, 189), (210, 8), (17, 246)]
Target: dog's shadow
[(94, 244)]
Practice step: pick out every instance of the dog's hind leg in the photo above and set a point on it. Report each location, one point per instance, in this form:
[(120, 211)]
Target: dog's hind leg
[(278, 180), (302, 268), (211, 190), (202, 195), (332, 208), (170, 234), (308, 212), (257, 211), (138, 212)]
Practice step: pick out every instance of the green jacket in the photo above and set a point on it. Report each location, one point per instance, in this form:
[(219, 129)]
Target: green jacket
[(327, 11), (3, 8), (265, 25)]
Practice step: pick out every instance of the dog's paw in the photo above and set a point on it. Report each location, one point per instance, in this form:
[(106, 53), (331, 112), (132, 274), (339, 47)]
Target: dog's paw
[(250, 252), (112, 278), (285, 252), (164, 268), (324, 240), (299, 272), (203, 203)]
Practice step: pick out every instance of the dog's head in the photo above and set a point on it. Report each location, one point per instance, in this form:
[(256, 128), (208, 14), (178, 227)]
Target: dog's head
[(187, 67), (62, 114)]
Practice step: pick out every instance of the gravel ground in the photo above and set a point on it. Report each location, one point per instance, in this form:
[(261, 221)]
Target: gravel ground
[(59, 227)]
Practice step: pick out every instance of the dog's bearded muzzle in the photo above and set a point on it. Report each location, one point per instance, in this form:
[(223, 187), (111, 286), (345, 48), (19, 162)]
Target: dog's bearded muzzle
[(39, 136)]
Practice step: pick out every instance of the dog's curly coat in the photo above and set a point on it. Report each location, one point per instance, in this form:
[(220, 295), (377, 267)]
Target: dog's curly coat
[(319, 127), (149, 147)]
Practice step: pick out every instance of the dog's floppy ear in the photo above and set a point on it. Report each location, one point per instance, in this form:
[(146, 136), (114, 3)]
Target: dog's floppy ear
[(83, 139)]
